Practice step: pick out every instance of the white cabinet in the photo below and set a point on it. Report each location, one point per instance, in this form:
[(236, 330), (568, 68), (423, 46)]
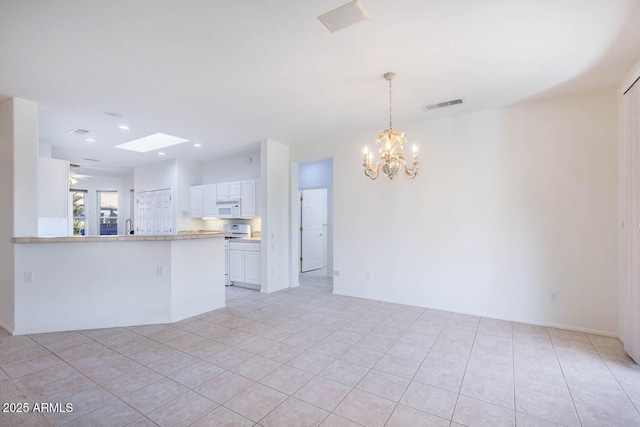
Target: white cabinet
[(228, 191), (234, 190), (244, 264), (209, 200), (248, 199), (203, 201), (197, 201), (236, 266), (252, 266)]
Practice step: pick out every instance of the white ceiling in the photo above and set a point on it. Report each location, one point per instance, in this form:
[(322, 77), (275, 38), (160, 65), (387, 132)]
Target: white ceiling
[(230, 73)]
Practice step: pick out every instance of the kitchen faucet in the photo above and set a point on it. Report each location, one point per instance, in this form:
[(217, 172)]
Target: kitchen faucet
[(128, 226)]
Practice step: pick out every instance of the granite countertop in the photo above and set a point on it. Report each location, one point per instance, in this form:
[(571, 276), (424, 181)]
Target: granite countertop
[(130, 238)]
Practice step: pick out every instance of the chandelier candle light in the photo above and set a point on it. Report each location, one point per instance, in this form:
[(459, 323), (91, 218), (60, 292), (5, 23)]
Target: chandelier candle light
[(391, 157)]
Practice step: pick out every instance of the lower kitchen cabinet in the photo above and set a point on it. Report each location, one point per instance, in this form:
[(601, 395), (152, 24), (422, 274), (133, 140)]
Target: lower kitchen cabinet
[(244, 264)]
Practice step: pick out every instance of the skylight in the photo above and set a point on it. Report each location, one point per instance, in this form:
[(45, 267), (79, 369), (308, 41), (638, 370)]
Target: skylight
[(152, 142)]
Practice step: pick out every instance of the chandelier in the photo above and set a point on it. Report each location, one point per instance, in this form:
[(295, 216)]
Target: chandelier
[(391, 158)]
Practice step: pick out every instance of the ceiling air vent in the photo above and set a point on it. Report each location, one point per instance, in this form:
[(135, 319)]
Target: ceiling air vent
[(79, 131), (344, 16), (442, 104), (93, 160)]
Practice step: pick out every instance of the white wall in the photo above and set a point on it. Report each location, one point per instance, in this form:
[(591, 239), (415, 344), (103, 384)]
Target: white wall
[(6, 215), (274, 200), (231, 169), (188, 173), (510, 205)]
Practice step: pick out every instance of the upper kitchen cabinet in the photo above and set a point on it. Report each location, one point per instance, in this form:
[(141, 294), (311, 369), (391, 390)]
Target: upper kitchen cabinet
[(228, 191), (203, 201), (248, 199), (210, 198)]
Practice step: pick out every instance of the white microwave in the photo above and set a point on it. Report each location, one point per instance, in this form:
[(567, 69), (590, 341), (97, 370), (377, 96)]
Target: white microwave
[(228, 209)]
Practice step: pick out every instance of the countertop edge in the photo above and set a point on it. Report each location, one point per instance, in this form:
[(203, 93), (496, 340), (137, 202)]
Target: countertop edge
[(101, 239)]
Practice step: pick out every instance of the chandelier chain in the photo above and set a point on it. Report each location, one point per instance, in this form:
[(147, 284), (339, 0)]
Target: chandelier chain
[(390, 108)]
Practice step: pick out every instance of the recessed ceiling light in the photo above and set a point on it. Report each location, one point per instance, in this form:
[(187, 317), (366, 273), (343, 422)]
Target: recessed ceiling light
[(152, 142), (197, 144), (90, 140), (161, 153), (79, 131), (124, 127)]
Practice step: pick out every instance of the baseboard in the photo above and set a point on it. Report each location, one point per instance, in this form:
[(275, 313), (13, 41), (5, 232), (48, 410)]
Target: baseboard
[(488, 316), (6, 328)]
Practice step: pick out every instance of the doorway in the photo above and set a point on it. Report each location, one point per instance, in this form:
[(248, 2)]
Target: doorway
[(314, 230)]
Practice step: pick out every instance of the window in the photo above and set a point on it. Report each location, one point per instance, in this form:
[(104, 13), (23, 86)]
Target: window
[(108, 212), (78, 203)]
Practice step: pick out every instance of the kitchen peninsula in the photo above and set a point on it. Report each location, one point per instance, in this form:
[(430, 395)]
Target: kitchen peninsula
[(71, 283)]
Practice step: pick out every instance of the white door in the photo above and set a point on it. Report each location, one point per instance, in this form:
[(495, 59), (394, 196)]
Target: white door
[(236, 266), (252, 267), (144, 217), (311, 229), (163, 216)]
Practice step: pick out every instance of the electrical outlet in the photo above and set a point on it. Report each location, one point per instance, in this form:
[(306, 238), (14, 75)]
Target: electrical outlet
[(554, 296), (368, 275), (28, 277), (160, 271), (336, 273)]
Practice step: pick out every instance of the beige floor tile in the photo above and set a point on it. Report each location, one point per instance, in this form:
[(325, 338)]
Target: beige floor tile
[(597, 406), (472, 412), (384, 385), (83, 403), (362, 356), (335, 421), (438, 376), (154, 395), (229, 357), (410, 351), (365, 408), (344, 372), (196, 374), (448, 360), (223, 417), (224, 386), (490, 391), (286, 379), (20, 369), (256, 367), (135, 380), (184, 410), (405, 416), (551, 408), (430, 399), (103, 373), (256, 401), (116, 413), (331, 348), (398, 365), (323, 393), (281, 352), (311, 362), (256, 344), (172, 364), (294, 412), (526, 420), (346, 336), (142, 422)]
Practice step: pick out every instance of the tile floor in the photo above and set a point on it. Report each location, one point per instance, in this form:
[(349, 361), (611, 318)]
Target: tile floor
[(306, 357)]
